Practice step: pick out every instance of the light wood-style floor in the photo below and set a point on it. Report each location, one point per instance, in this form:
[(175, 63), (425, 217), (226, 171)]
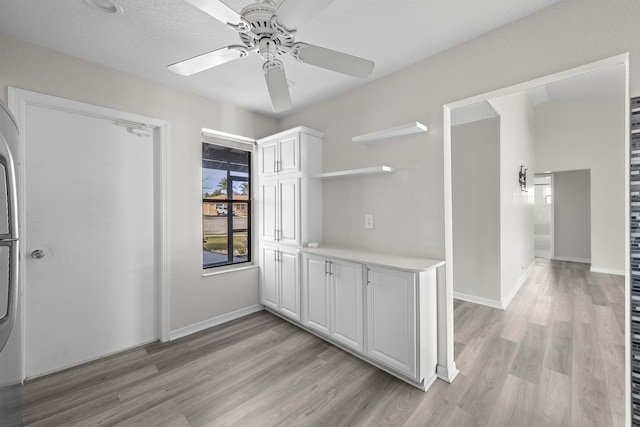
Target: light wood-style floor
[(555, 357)]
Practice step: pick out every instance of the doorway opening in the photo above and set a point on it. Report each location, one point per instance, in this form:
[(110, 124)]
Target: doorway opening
[(543, 216), (606, 255)]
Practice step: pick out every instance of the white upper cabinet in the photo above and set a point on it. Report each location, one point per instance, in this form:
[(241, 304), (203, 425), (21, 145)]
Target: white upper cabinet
[(290, 202), (280, 155), (297, 150), (269, 210), (280, 211), (289, 211), (289, 155)]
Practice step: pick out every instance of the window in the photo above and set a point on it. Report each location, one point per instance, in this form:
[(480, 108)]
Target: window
[(226, 205)]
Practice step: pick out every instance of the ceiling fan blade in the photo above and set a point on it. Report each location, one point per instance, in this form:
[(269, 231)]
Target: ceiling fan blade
[(277, 85), (293, 13), (208, 60), (332, 60), (218, 10)]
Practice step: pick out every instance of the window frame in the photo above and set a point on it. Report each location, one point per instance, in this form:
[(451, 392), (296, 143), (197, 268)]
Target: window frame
[(226, 141)]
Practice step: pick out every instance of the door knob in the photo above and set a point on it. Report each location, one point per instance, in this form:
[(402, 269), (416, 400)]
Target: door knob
[(37, 254)]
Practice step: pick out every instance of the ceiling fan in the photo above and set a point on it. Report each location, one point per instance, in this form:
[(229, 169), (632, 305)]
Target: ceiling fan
[(270, 32)]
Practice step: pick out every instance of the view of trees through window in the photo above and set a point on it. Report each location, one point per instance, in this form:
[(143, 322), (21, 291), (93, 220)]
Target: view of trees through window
[(226, 205)]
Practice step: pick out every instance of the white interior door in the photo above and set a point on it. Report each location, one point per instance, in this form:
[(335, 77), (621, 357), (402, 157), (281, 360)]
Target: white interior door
[(89, 198)]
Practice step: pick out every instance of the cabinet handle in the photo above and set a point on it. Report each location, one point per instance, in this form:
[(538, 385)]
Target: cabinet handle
[(326, 271), (277, 165), (330, 268)]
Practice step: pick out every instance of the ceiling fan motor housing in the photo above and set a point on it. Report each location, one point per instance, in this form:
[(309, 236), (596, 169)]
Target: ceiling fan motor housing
[(266, 34)]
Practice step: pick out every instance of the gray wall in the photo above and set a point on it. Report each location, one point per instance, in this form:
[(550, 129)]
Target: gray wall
[(193, 298), (563, 36), (572, 215), (579, 135), (516, 206), (475, 162)]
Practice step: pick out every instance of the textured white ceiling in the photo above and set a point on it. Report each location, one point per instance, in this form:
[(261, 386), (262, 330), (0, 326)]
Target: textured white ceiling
[(152, 34)]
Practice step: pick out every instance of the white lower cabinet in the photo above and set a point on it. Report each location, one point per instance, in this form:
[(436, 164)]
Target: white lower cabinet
[(391, 318), (333, 300), (280, 284), (385, 315), (315, 290)]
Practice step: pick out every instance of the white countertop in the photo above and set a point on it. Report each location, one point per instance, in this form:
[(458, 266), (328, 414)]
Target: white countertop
[(412, 264)]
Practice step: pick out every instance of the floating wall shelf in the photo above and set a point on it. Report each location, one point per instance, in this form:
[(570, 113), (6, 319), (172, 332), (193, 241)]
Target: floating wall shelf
[(356, 172), (402, 130)]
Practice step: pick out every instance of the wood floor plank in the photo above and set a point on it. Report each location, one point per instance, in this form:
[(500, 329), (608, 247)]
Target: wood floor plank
[(542, 313), (515, 405), (553, 402), (528, 363), (587, 360), (559, 354), (489, 380), (554, 357), (590, 404)]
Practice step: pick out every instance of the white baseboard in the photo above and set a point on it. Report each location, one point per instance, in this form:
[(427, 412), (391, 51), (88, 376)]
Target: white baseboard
[(447, 374), (607, 271), (215, 321), (477, 300), (571, 259), (506, 301), (493, 303)]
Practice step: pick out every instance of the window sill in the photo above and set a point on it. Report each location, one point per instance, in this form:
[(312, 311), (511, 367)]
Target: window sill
[(227, 269)]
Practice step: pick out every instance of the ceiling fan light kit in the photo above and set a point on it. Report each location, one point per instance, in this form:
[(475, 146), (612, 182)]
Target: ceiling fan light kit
[(270, 32)]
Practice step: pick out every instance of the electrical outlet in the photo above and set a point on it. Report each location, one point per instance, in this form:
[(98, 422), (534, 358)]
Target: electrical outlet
[(368, 221)]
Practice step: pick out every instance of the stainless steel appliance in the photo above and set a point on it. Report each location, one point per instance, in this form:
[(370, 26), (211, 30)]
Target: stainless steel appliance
[(10, 339)]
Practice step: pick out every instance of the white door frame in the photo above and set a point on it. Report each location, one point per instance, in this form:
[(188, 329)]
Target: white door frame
[(622, 59), (19, 99)]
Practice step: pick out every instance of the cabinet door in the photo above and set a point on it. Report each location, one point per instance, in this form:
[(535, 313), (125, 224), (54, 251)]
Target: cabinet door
[(391, 318), (346, 304), (269, 278), (289, 154), (289, 284), (269, 210), (289, 204), (316, 285), (268, 158)]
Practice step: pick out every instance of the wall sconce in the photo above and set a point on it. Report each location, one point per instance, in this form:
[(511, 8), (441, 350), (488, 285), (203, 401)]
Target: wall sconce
[(522, 178)]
